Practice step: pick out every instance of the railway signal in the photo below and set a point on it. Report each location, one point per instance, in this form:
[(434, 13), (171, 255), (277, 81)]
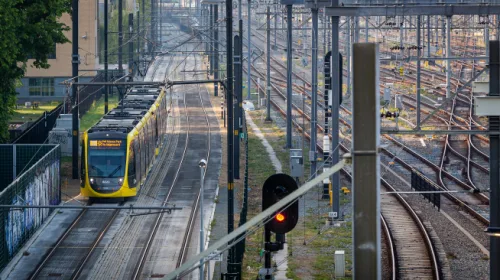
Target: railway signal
[(277, 187)]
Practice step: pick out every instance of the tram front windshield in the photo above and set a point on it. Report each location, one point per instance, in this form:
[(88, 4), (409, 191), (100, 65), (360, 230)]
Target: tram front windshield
[(106, 158)]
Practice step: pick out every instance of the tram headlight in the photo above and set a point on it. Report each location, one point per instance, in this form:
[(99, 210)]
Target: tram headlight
[(92, 180), (120, 180)]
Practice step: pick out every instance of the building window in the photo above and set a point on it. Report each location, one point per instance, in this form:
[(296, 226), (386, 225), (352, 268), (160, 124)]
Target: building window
[(41, 87), (51, 55)]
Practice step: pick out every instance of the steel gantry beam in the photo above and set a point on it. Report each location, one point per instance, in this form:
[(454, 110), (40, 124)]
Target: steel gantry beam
[(413, 10)]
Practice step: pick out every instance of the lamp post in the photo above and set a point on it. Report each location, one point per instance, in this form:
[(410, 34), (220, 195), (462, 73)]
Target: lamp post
[(203, 165)]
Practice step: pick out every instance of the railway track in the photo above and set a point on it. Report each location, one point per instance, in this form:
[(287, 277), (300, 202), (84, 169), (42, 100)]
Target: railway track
[(410, 245), (412, 249), (464, 201), (69, 255), (413, 255)]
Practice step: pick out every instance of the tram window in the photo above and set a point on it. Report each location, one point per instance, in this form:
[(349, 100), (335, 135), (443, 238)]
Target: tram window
[(146, 142), (142, 152), (156, 129), (82, 165), (131, 165), (137, 152), (107, 162)]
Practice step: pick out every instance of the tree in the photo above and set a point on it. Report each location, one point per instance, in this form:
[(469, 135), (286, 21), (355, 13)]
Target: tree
[(28, 29)]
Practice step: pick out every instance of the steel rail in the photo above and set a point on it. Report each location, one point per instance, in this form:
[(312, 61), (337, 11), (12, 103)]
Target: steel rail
[(194, 210), (147, 246)]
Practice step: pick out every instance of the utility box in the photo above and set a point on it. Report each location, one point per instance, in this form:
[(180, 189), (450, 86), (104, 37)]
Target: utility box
[(339, 263), (61, 134), (296, 163), (398, 102), (387, 95), (483, 87)]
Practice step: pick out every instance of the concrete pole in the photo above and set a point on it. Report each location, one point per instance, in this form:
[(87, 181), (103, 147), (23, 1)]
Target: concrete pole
[(202, 238), (275, 22), (418, 72), (487, 34), (314, 91), (428, 36), (498, 27), (268, 66), (138, 48), (325, 50), (106, 88), (238, 83), (349, 54), (249, 56), (336, 92), (366, 161), (289, 69), (240, 20), (356, 29), (443, 33), (216, 49), (448, 54), (401, 43), (366, 29), (230, 130), (130, 44), (74, 72), (328, 34), (143, 24), (14, 162), (158, 15), (211, 38), (120, 36), (493, 122), (304, 36), (437, 32)]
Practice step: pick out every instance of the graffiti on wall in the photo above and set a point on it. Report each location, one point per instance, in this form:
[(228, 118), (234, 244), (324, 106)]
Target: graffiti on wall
[(42, 189)]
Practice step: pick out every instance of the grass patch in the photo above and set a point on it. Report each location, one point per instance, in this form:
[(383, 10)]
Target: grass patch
[(22, 114), (313, 260), (260, 167), (96, 111)]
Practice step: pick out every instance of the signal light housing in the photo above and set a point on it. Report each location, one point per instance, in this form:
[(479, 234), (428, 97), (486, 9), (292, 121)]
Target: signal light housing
[(275, 188)]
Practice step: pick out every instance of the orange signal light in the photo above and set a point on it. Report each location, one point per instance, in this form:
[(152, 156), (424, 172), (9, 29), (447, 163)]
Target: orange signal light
[(280, 217)]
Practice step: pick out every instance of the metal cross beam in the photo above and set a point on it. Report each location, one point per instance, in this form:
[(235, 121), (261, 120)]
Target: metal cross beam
[(119, 83), (451, 97), (414, 58), (194, 82), (107, 207), (413, 10), (439, 132)]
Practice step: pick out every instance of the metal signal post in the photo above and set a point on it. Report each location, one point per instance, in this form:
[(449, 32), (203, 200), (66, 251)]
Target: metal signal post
[(75, 61)]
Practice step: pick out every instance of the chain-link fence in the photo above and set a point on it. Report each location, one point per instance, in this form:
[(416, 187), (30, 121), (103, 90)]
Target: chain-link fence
[(37, 182)]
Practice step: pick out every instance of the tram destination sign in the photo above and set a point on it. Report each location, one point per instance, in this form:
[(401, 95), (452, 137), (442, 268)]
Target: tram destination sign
[(106, 143)]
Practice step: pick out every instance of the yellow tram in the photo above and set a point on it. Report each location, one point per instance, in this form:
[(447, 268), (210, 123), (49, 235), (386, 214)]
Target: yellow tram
[(118, 151)]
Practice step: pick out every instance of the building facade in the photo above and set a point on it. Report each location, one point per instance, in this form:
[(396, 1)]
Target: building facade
[(45, 84)]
